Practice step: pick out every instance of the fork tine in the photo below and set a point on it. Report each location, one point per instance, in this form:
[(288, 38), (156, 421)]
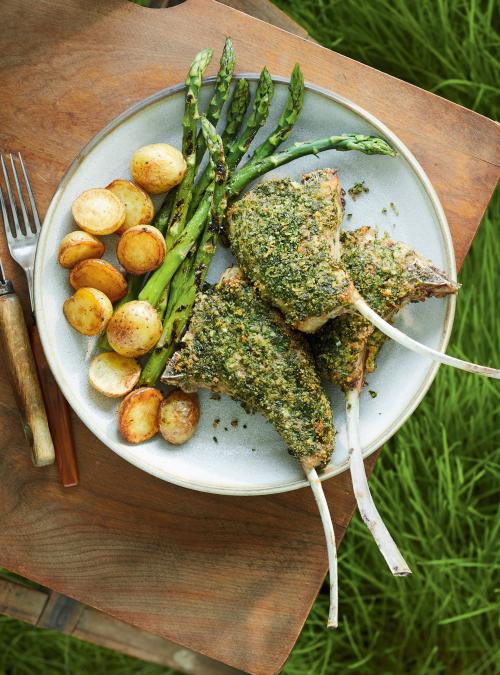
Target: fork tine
[(5, 218), (21, 197), (31, 196), (16, 225)]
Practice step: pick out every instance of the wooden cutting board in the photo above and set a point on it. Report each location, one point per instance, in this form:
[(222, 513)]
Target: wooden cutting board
[(233, 578)]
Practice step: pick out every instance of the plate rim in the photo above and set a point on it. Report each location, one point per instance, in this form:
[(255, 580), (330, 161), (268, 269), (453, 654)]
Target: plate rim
[(216, 488)]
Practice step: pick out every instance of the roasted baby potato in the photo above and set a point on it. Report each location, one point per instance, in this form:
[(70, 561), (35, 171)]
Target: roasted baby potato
[(88, 311), (134, 329), (141, 249), (77, 246), (179, 416), (98, 211), (139, 208), (138, 414), (157, 167), (114, 375), (101, 275)]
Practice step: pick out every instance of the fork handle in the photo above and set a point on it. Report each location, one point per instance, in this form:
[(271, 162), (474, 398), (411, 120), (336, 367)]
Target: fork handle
[(22, 370), (58, 415)]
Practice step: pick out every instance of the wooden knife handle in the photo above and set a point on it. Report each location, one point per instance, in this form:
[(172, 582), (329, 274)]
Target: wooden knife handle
[(22, 369), (58, 415)]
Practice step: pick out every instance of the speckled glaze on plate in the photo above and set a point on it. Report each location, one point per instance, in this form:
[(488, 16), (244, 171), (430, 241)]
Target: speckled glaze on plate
[(234, 453)]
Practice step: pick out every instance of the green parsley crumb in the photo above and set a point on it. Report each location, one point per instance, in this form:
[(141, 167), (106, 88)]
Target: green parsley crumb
[(357, 189), (372, 393)]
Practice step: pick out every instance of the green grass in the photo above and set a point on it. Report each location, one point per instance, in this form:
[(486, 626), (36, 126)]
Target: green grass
[(437, 481)]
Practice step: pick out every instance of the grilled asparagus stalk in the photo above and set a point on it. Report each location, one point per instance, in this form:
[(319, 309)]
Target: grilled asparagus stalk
[(179, 310), (181, 247)]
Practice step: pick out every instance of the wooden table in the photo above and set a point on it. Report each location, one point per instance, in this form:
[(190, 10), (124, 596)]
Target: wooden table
[(231, 578)]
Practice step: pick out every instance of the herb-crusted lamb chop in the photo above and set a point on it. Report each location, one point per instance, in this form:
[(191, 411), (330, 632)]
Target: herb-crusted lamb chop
[(285, 236), (239, 345), (389, 275)]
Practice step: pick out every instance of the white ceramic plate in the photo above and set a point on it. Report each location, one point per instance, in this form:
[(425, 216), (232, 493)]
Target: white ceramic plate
[(248, 457)]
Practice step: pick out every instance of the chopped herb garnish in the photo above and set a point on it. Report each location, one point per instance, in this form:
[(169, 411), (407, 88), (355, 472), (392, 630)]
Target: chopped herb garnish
[(215, 423), (394, 209), (234, 423), (215, 439), (384, 210), (357, 189), (226, 429), (349, 216), (372, 393), (244, 426)]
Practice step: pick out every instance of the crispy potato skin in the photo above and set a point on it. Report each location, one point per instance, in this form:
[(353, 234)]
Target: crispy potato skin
[(98, 211), (157, 167), (134, 329), (138, 414), (141, 249), (179, 416), (139, 207), (101, 275), (88, 311), (77, 246), (114, 375)]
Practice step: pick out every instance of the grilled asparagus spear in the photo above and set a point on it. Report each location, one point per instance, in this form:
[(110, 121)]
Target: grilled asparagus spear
[(367, 144), (179, 311)]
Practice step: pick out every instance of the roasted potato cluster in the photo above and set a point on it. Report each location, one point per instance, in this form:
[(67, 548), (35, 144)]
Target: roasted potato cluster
[(124, 208)]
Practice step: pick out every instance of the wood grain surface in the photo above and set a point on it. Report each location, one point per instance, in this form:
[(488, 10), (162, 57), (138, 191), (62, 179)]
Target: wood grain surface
[(18, 358), (232, 578)]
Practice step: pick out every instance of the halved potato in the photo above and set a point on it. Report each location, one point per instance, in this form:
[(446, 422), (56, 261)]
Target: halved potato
[(141, 249), (101, 275), (179, 415), (88, 311), (114, 375), (98, 211), (134, 329), (157, 167), (138, 414), (77, 246), (139, 208)]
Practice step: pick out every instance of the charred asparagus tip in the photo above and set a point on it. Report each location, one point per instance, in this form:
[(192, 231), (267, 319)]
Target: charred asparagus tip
[(326, 519), (367, 509), (414, 346)]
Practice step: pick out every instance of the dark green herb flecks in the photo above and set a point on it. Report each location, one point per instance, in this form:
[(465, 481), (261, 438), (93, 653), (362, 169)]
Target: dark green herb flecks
[(388, 274), (357, 189), (283, 234), (372, 393), (239, 345)]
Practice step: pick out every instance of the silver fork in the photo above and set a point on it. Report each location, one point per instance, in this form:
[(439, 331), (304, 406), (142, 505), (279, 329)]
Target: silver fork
[(22, 244)]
